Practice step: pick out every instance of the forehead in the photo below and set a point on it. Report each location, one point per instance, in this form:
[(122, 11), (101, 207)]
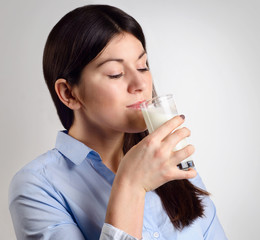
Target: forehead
[(124, 46)]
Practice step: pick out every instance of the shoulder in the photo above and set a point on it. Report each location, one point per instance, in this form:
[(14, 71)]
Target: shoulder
[(33, 175), (209, 223), (41, 162), (197, 181)]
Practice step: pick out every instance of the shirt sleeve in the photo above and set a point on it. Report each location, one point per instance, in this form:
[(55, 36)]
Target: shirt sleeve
[(109, 232), (38, 211), (213, 230)]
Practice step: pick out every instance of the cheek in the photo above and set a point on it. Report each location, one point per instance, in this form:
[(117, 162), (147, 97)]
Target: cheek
[(96, 91), (102, 98), (150, 88), (108, 94)]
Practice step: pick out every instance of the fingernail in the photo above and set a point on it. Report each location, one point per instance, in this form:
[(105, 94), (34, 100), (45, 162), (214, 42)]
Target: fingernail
[(182, 116)]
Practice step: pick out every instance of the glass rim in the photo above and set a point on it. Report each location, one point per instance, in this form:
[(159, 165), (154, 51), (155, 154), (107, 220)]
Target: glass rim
[(156, 99)]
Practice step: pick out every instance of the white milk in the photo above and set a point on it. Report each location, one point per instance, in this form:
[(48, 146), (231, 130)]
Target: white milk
[(154, 118)]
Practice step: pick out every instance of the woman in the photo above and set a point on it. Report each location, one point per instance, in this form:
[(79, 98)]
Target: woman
[(105, 178)]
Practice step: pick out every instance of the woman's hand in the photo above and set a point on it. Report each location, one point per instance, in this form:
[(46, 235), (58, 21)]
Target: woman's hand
[(145, 167), (152, 162)]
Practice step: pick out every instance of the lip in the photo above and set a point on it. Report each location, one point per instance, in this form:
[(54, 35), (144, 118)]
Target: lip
[(135, 105)]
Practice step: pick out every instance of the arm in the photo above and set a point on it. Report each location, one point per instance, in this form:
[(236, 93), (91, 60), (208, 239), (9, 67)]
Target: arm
[(210, 223), (126, 207), (109, 232), (215, 230), (37, 210), (145, 167)]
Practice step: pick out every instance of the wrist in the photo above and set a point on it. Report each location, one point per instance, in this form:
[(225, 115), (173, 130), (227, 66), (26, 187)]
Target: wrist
[(132, 186), (126, 206)]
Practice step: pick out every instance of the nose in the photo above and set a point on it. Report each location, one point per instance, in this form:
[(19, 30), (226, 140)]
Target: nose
[(137, 82)]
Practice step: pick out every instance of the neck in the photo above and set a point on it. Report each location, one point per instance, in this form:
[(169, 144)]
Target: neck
[(108, 144)]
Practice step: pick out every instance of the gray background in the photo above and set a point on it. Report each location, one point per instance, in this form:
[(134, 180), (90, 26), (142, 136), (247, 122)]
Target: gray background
[(204, 52)]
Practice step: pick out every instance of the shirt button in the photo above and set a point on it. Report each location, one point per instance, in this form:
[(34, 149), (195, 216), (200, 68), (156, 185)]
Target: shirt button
[(156, 234)]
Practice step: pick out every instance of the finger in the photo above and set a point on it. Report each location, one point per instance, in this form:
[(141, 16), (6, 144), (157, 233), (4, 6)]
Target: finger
[(168, 127), (173, 139), (180, 174), (182, 154)]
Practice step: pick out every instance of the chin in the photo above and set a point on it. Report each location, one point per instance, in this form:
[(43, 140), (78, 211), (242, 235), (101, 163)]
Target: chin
[(135, 124), (136, 129)]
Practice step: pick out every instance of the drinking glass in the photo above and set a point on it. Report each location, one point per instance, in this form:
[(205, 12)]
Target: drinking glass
[(157, 111)]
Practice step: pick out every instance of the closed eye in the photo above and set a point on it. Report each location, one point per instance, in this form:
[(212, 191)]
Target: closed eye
[(115, 76), (143, 69)]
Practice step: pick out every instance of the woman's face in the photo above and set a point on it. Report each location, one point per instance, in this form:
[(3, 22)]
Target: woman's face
[(113, 84)]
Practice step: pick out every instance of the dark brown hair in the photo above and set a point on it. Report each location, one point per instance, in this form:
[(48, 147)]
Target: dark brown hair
[(74, 42)]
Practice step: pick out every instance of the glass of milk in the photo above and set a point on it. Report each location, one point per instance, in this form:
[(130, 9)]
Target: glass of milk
[(157, 111)]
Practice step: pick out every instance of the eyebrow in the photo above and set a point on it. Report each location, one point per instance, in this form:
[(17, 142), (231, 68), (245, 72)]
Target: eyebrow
[(119, 59)]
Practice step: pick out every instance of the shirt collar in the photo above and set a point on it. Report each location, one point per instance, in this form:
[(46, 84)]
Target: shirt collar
[(77, 152), (71, 148)]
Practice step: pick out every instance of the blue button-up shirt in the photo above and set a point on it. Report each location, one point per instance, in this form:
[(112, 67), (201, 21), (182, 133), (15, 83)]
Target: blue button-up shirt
[(63, 194)]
